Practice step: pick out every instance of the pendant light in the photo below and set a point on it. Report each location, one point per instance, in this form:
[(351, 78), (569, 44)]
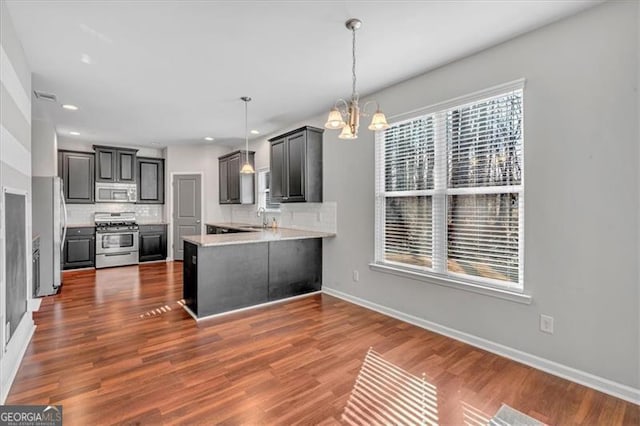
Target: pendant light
[(346, 116), (247, 168)]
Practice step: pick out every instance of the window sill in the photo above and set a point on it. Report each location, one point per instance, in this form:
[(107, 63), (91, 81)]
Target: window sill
[(453, 283)]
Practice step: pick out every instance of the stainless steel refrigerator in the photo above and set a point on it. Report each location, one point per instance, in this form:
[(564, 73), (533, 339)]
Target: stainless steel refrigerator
[(50, 222)]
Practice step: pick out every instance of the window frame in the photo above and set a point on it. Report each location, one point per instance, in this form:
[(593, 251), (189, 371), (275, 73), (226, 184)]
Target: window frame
[(263, 189), (440, 193)]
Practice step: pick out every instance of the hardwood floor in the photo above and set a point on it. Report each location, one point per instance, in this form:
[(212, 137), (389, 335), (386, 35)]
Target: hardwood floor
[(116, 347)]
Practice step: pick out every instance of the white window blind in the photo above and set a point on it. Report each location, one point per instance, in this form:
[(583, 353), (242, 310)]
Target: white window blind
[(449, 191)]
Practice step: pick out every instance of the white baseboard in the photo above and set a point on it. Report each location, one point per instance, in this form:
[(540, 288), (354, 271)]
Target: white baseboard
[(262, 305), (16, 349), (601, 384), (34, 304)]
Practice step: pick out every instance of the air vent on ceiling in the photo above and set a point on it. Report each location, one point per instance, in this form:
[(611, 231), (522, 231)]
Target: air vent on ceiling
[(45, 96)]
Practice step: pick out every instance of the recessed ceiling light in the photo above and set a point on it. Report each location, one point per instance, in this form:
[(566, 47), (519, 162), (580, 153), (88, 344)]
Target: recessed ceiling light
[(208, 138), (70, 107), (74, 133), (255, 132)]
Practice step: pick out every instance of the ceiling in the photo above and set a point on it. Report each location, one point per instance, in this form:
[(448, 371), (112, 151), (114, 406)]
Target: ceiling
[(154, 73)]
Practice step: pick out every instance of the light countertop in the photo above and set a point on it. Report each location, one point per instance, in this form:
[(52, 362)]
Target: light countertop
[(255, 236)]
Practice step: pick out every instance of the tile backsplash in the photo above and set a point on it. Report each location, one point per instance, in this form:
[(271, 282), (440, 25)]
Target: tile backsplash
[(83, 213), (312, 216)]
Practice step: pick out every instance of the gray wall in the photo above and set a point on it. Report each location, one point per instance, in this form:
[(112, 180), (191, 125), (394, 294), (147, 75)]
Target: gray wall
[(44, 148), (196, 158), (581, 196), (15, 173)]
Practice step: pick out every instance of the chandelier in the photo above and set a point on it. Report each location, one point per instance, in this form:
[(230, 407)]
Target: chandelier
[(346, 115)]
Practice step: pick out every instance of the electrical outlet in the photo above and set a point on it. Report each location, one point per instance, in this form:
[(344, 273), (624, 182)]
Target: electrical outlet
[(546, 324), (356, 275)]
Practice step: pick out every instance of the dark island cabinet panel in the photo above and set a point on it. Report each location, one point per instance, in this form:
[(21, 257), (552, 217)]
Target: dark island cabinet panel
[(150, 180), (190, 276), (115, 164), (79, 249), (76, 169), (225, 280), (220, 278), (295, 267), (296, 166), (152, 244)]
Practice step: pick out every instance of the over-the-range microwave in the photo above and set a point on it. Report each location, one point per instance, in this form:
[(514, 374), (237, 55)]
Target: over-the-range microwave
[(116, 192)]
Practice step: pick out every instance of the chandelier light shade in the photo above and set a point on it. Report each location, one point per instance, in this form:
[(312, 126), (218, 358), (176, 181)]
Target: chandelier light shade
[(247, 168), (346, 115), (335, 120)]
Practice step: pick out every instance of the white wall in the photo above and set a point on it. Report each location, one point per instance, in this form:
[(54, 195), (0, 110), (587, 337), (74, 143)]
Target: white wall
[(581, 198), (44, 148), (15, 173)]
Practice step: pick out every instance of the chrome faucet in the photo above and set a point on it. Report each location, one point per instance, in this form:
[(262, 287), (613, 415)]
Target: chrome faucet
[(262, 213)]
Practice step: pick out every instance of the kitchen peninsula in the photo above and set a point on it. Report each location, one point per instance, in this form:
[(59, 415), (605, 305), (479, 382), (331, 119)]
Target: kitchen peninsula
[(248, 266)]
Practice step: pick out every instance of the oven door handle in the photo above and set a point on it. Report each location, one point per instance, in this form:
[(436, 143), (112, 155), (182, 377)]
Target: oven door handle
[(117, 254)]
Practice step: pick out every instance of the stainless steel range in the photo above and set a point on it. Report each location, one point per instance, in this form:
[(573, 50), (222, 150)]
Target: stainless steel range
[(116, 239)]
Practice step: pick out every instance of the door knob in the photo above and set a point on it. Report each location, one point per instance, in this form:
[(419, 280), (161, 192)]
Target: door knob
[(197, 220)]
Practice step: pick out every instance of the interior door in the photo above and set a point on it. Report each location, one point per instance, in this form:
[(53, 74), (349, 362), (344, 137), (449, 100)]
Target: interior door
[(187, 214)]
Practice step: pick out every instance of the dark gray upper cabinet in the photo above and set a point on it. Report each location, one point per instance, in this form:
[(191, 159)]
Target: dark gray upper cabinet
[(296, 166), (277, 169), (77, 172), (126, 166), (150, 180), (235, 187), (223, 167), (115, 164)]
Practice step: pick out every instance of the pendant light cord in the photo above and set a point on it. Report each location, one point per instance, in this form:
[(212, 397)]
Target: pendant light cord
[(354, 94), (246, 119)]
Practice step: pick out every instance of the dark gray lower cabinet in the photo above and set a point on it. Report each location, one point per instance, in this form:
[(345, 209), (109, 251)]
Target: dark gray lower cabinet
[(223, 278), (79, 249), (152, 244)]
